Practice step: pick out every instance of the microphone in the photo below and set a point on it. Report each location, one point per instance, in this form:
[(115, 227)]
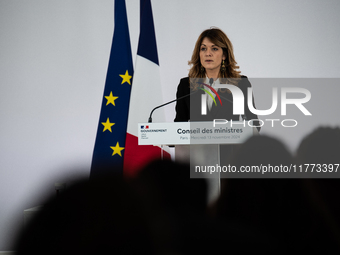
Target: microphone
[(177, 99), (211, 81), (209, 100)]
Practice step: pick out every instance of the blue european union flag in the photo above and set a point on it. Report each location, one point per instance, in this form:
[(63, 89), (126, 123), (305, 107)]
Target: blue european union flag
[(110, 140)]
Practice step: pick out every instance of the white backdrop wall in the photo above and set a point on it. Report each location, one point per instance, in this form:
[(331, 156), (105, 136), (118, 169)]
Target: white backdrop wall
[(53, 61)]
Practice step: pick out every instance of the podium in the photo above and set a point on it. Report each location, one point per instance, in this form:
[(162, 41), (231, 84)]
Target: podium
[(204, 145)]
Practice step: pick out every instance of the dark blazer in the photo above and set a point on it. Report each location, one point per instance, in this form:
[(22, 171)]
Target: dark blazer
[(189, 108)]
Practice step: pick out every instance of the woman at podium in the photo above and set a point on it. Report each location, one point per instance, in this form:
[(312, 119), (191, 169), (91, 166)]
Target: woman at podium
[(212, 64)]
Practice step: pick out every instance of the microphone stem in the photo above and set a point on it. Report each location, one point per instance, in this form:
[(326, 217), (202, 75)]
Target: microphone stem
[(150, 118)]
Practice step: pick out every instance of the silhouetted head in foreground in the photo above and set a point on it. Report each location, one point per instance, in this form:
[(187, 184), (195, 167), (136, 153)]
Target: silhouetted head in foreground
[(101, 216), (278, 208), (177, 205), (322, 146), (319, 152)]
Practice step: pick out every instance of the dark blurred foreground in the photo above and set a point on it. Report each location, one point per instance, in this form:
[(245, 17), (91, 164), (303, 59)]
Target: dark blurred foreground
[(163, 211)]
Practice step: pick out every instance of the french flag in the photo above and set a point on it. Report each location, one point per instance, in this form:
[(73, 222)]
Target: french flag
[(146, 94)]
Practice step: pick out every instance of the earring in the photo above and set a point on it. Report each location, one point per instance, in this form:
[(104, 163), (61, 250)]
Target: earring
[(223, 69), (202, 69)]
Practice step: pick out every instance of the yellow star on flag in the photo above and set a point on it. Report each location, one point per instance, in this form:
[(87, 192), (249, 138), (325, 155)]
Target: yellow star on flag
[(126, 77), (116, 149), (107, 125), (111, 99)]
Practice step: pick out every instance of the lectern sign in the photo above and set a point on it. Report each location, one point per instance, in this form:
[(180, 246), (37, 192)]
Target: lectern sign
[(193, 133)]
